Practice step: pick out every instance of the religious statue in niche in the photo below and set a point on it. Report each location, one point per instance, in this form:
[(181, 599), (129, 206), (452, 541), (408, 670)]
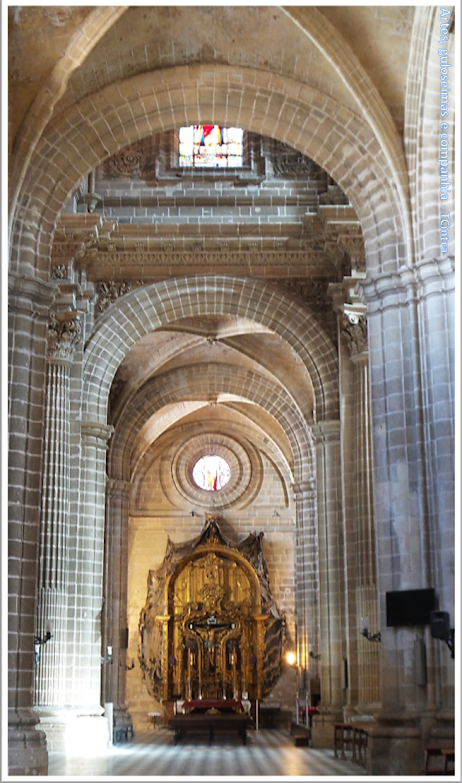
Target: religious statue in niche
[(210, 627)]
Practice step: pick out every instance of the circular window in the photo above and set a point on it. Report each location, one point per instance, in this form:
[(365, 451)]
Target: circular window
[(211, 473)]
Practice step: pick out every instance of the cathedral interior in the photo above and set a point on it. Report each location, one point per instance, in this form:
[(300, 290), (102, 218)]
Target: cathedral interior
[(231, 370)]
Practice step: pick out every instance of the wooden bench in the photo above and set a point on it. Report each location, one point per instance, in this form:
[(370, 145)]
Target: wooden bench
[(301, 734), (444, 756)]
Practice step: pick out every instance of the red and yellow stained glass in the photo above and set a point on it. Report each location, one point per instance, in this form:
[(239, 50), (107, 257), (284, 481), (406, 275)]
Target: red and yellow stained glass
[(211, 473), (211, 146)]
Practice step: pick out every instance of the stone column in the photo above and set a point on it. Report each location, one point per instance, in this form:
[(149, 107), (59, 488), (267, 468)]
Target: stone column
[(115, 591), (86, 586), (50, 675), (307, 582), (331, 576), (411, 345), (363, 655), (29, 300)]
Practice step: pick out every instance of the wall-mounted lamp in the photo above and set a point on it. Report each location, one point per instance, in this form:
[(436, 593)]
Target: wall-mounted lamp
[(275, 513), (371, 637), (440, 627), (291, 658), (129, 668), (314, 656), (108, 659), (38, 642)]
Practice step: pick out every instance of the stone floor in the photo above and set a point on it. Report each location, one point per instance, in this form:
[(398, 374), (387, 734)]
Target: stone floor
[(269, 752)]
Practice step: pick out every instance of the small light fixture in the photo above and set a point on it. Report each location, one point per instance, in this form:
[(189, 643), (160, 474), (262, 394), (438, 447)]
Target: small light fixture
[(108, 658), (291, 658), (39, 641), (371, 637)]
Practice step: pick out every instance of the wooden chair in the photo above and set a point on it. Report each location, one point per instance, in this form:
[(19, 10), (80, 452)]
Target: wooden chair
[(343, 736)]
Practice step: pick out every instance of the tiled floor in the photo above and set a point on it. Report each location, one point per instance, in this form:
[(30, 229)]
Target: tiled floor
[(269, 753)]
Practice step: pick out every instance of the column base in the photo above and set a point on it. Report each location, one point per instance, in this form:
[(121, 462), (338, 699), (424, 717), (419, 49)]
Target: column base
[(395, 750), (71, 729), (322, 731), (27, 752)]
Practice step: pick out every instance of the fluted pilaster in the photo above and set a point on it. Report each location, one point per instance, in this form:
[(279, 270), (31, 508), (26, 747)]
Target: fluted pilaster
[(63, 335), (331, 572), (115, 589), (361, 568), (307, 579)]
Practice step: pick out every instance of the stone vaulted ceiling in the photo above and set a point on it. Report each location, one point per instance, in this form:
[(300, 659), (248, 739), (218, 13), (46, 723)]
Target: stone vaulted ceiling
[(137, 220)]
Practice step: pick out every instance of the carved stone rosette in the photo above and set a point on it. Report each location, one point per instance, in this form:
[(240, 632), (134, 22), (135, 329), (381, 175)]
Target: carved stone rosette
[(64, 331), (129, 162), (354, 329)]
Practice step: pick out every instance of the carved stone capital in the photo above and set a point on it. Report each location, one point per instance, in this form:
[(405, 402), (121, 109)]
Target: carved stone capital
[(63, 335), (354, 330)]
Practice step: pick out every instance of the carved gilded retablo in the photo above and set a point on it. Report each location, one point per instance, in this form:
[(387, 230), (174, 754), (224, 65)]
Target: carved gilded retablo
[(210, 627)]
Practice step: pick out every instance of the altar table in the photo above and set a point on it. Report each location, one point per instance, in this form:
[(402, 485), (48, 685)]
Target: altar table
[(211, 723)]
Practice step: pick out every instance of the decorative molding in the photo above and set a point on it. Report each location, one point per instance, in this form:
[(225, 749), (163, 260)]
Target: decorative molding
[(354, 329), (200, 257), (59, 272), (64, 331), (110, 291)]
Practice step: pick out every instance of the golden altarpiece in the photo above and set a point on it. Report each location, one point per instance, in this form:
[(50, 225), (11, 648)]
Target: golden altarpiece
[(210, 627)]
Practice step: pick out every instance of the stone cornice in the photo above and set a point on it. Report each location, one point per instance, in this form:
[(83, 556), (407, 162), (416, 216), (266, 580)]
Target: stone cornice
[(38, 292), (326, 431), (118, 488), (99, 431)]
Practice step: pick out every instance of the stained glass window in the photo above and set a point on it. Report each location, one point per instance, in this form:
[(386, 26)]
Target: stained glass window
[(211, 473), (211, 146)]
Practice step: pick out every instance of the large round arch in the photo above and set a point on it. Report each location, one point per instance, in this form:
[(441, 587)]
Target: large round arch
[(159, 304), (337, 138), (202, 381)]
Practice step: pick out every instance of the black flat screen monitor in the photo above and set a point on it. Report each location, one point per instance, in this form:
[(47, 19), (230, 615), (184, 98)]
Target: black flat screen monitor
[(410, 607)]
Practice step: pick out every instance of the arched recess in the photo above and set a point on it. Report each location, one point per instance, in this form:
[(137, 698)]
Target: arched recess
[(151, 307), (335, 137), (207, 381)]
